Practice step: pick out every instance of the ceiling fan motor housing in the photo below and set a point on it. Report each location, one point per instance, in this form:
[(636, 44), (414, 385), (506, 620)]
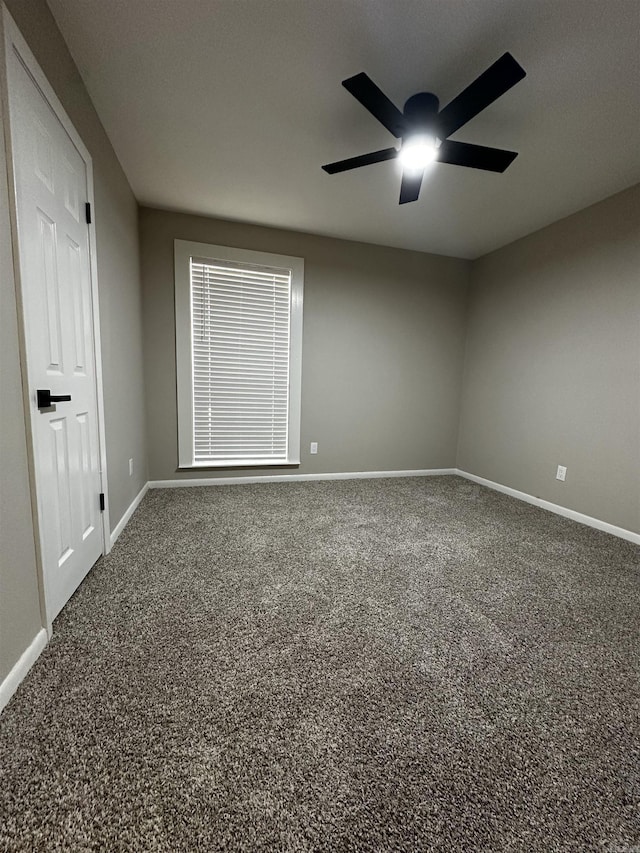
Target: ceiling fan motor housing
[(421, 112)]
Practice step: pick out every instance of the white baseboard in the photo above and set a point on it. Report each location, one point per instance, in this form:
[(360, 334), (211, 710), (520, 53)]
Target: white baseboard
[(22, 667), (551, 507), (135, 503), (289, 478)]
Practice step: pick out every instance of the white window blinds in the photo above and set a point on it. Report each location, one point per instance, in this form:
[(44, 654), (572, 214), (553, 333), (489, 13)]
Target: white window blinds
[(241, 316)]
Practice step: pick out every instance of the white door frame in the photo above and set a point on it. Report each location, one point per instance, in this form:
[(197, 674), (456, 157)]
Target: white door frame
[(13, 42)]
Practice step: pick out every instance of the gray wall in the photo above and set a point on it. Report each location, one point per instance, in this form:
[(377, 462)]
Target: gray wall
[(120, 307), (383, 344), (552, 373)]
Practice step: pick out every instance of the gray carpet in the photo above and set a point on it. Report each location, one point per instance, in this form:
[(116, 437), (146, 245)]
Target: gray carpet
[(382, 665)]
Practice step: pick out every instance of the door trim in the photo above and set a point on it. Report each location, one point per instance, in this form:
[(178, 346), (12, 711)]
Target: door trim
[(12, 42)]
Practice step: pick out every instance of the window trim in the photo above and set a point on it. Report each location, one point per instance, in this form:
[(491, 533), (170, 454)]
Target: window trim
[(184, 251)]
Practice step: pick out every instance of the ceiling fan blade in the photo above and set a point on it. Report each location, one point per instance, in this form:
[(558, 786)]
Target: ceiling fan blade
[(475, 156), (373, 99), (410, 187), (490, 85), (362, 160)]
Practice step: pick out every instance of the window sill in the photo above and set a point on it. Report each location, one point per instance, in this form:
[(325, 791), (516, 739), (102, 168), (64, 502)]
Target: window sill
[(244, 463)]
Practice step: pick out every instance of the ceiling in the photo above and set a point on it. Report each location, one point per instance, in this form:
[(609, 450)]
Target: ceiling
[(229, 108)]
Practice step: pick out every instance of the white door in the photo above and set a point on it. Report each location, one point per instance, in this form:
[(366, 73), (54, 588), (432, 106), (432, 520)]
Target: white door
[(50, 177)]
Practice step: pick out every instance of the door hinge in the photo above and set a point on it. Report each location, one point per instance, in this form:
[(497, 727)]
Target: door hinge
[(101, 501), (87, 212)]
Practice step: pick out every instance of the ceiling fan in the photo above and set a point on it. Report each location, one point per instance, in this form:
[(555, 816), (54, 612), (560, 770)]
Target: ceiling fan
[(425, 129)]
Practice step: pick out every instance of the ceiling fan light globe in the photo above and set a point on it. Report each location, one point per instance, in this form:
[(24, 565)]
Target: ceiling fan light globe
[(418, 152)]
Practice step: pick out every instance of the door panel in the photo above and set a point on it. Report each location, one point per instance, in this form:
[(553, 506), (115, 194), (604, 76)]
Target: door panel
[(55, 266), (81, 319), (48, 278), (61, 488)]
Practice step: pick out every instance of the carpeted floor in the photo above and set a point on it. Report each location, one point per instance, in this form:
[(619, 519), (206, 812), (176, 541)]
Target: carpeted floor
[(367, 665)]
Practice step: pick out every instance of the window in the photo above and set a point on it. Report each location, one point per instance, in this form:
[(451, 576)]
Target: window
[(239, 356)]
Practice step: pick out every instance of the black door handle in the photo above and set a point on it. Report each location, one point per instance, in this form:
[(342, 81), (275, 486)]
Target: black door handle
[(46, 399)]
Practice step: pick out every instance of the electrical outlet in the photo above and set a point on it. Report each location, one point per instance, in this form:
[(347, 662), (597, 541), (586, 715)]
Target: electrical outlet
[(561, 473), (131, 467), (313, 448)]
